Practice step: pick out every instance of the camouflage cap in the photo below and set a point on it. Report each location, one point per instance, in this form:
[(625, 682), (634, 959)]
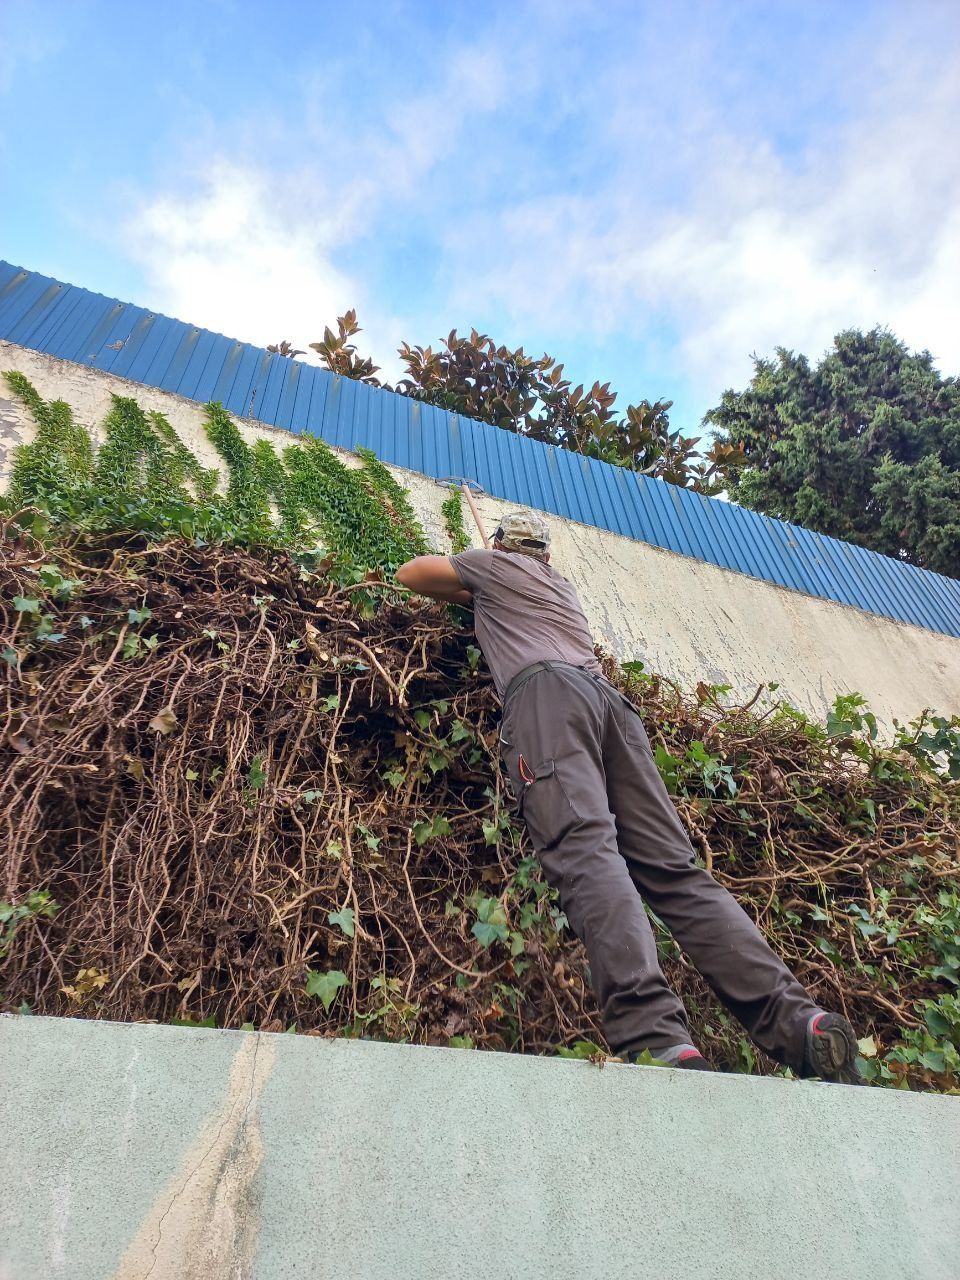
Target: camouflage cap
[(524, 531)]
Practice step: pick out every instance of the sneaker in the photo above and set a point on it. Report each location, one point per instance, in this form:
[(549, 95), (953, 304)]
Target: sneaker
[(830, 1050), (692, 1062), (686, 1060)]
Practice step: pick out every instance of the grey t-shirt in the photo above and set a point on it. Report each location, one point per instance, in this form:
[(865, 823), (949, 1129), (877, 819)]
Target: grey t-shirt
[(524, 611)]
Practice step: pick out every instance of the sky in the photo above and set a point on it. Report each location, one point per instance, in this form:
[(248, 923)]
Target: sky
[(649, 192)]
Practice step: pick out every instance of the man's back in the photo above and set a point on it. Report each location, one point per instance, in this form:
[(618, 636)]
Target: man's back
[(524, 612)]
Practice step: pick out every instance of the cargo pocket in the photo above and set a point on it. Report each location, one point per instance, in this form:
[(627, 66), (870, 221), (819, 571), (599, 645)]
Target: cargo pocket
[(545, 805), (633, 731)]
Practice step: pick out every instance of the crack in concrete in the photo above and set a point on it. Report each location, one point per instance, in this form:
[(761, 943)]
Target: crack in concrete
[(206, 1155), (203, 1223)]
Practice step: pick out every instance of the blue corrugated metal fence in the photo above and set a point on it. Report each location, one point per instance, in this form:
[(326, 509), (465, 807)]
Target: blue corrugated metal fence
[(115, 337)]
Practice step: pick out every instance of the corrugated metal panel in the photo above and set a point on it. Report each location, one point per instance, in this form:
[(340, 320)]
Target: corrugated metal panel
[(115, 337)]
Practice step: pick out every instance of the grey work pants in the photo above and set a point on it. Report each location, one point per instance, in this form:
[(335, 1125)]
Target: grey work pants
[(608, 837)]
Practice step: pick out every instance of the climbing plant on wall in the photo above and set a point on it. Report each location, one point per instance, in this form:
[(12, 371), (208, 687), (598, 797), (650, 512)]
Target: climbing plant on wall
[(142, 476)]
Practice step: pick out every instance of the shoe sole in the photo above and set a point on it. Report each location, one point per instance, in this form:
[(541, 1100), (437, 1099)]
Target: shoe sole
[(832, 1051)]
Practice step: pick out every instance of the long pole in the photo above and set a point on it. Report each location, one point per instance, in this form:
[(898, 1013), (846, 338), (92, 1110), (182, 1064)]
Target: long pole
[(476, 514)]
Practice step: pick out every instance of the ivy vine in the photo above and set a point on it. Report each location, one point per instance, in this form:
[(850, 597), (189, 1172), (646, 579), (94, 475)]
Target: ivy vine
[(144, 477)]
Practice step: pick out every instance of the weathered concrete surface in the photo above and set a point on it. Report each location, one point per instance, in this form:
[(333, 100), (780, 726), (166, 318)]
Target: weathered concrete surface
[(688, 620), (133, 1151)]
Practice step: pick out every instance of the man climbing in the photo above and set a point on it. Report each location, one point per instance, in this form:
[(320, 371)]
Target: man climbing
[(606, 832)]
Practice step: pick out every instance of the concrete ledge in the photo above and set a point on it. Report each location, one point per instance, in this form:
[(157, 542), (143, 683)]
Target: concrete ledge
[(176, 1153)]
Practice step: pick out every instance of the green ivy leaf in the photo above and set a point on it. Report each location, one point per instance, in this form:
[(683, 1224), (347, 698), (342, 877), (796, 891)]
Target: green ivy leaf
[(26, 604), (488, 934), (344, 919), (424, 831), (933, 1060), (257, 775), (491, 923), (584, 1049), (325, 985)]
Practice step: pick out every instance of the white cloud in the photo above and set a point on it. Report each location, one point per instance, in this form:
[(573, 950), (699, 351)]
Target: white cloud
[(706, 209), (758, 247), (254, 252), (232, 257)]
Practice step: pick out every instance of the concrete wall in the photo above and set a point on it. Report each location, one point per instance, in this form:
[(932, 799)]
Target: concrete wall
[(133, 1151), (689, 620)]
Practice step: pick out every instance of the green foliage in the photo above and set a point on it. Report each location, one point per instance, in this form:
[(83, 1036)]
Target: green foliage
[(344, 921), (452, 512), (15, 914), (490, 925), (144, 478), (387, 1014), (247, 506), (325, 985), (182, 464), (933, 739), (271, 479), (256, 775), (351, 520), (864, 446), (849, 715), (135, 459), (935, 1045), (383, 486), (55, 469), (53, 581), (587, 1049), (696, 771), (428, 830)]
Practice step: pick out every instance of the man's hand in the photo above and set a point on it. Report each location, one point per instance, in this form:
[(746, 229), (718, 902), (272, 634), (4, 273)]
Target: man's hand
[(433, 576)]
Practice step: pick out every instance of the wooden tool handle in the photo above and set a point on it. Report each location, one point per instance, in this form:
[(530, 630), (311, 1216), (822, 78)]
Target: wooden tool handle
[(476, 514)]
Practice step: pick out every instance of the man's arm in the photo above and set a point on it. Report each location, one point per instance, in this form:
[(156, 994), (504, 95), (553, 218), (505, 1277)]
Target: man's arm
[(434, 576)]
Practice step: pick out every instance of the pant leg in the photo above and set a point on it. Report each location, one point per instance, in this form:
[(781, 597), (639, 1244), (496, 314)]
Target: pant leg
[(556, 723), (716, 933)]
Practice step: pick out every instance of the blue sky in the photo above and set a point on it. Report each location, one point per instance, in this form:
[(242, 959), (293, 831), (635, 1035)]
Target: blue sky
[(649, 192)]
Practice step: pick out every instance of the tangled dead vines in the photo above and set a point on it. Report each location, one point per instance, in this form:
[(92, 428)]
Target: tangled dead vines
[(228, 795)]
